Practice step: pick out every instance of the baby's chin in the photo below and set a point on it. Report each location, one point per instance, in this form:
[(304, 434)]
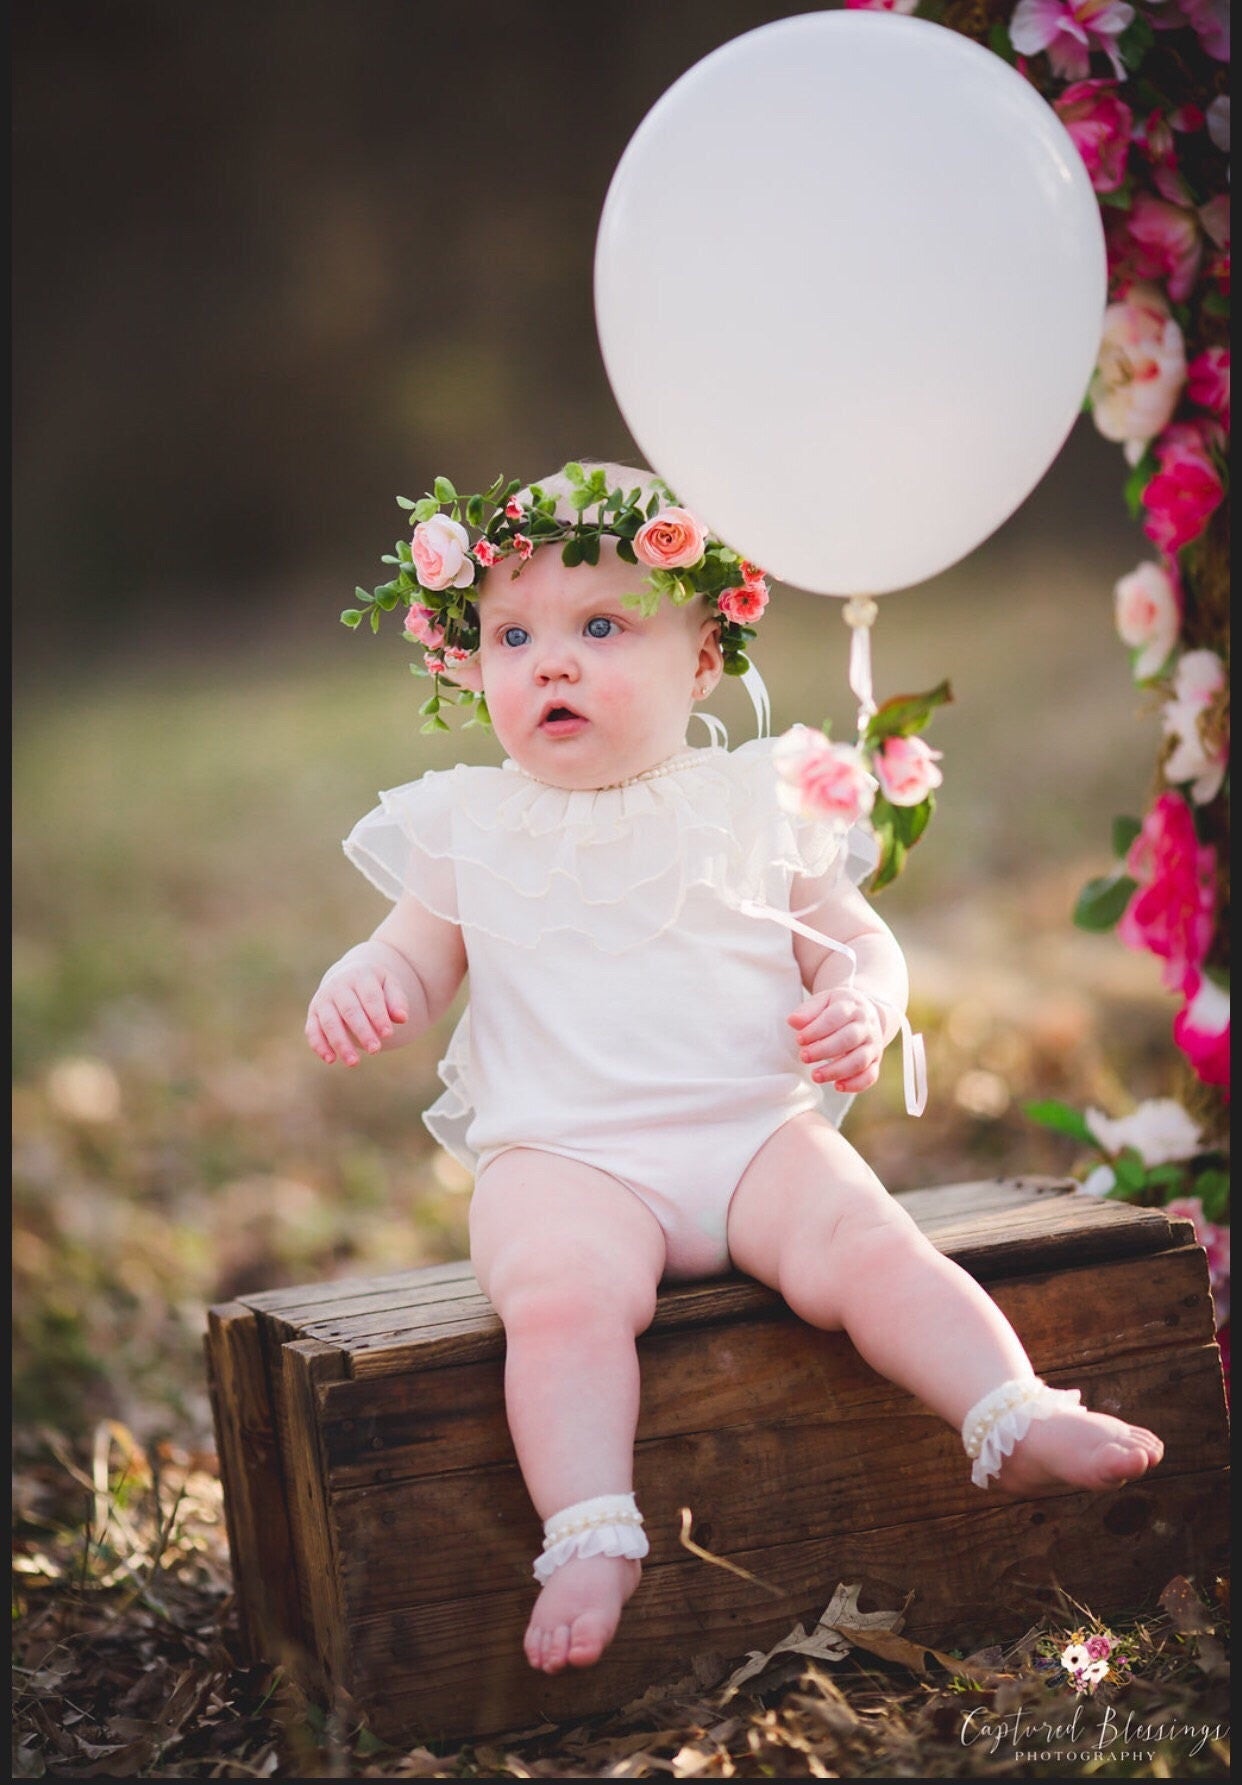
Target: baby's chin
[(580, 765)]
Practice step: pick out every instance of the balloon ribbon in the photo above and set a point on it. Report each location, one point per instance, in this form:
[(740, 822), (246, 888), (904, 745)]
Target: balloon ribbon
[(859, 615)]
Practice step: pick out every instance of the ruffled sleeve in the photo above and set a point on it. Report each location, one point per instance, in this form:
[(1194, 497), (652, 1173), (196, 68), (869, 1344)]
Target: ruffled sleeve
[(405, 845)]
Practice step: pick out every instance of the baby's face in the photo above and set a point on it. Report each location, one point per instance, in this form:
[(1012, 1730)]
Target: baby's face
[(584, 691)]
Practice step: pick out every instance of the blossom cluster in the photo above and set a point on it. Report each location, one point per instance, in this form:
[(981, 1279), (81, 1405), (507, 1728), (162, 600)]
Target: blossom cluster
[(1088, 1658), (438, 568)]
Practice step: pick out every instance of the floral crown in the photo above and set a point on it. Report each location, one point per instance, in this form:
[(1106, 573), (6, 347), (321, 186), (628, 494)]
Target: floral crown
[(436, 568)]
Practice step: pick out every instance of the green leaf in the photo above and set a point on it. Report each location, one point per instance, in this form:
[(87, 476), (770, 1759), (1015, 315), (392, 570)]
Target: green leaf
[(435, 723), (999, 44), (474, 511), (443, 490), (375, 619), (1135, 41), (1124, 832), (892, 861), (425, 507), (625, 551), (364, 595), (590, 549), (1212, 1189), (1050, 1112), (351, 617), (580, 498), (571, 552), (574, 472), (431, 706), (1130, 1171), (906, 713), (1102, 901), (1137, 482), (404, 502), (1215, 303)]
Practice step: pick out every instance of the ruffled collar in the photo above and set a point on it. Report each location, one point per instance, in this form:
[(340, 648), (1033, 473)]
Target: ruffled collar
[(680, 759)]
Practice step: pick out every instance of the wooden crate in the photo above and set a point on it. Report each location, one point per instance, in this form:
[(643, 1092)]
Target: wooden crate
[(382, 1539)]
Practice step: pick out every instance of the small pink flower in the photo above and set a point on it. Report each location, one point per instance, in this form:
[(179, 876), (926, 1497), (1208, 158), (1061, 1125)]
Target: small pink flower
[(485, 553), (440, 549), (1200, 754), (906, 770), (905, 6), (523, 546), (455, 656), (1210, 19), (433, 663), (514, 510), (1201, 1031), (670, 540), (1149, 617), (1099, 1648), (751, 575), (822, 780), (1186, 490), (744, 603), (1140, 370), (1172, 912), (423, 623), (1207, 381), (1099, 124), (1069, 30), (1165, 242)]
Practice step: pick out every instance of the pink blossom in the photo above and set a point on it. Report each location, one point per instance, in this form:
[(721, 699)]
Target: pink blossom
[(1210, 20), (1069, 30), (822, 780), (1207, 380), (1099, 124), (485, 553), (514, 510), (433, 663), (1217, 120), (1199, 755), (1099, 1648), (905, 6), (440, 549), (423, 623), (455, 656), (1171, 912), (670, 540), (1215, 1242), (523, 546), (1186, 490), (1149, 617), (1140, 370), (1165, 242), (744, 603), (1201, 1030), (752, 576), (906, 770)]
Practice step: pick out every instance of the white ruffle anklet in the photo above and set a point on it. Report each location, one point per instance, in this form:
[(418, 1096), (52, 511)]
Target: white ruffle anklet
[(1004, 1416), (608, 1525)]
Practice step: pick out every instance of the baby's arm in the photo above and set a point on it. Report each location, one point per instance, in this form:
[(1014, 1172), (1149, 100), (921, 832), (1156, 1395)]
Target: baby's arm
[(388, 989), (843, 1028)]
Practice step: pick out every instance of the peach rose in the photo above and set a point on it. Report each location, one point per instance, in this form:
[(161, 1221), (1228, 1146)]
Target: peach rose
[(744, 603), (670, 540), (906, 770), (440, 548), (1140, 370), (821, 780), (1148, 615)]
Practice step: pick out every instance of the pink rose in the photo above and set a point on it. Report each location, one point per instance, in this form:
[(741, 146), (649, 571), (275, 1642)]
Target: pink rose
[(1172, 911), (751, 574), (905, 6), (423, 623), (1099, 124), (440, 549), (1069, 30), (433, 663), (821, 780), (1099, 1648), (513, 509), (454, 656), (671, 540), (523, 546), (1200, 754), (1149, 617), (744, 603), (1185, 492), (1140, 370), (1201, 1030), (1207, 380), (1164, 242), (485, 553), (906, 770)]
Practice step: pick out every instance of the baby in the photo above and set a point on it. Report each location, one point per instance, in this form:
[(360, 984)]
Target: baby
[(652, 1074)]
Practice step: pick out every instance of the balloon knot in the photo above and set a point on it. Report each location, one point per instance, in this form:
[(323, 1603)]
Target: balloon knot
[(860, 610)]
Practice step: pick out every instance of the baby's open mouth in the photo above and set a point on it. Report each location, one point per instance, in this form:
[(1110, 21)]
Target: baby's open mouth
[(561, 718)]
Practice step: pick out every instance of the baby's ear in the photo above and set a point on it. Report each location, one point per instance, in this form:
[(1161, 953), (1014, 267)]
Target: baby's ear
[(711, 658), (468, 675)]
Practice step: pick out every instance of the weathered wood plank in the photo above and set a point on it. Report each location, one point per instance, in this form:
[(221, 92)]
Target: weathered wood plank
[(256, 1515), (457, 1669), (306, 1364), (383, 1428), (889, 1464)]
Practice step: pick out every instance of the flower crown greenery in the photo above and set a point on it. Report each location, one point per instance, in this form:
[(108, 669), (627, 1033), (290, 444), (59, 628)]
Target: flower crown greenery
[(436, 569)]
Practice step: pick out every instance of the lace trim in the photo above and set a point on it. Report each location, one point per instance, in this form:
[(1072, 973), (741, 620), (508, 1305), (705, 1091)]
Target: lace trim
[(682, 759), (1002, 1419), (608, 1525)]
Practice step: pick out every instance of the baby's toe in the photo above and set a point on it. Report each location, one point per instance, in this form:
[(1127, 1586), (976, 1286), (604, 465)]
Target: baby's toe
[(555, 1648), (588, 1639)]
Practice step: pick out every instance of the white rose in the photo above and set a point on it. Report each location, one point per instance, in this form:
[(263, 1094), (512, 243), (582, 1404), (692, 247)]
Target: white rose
[(1140, 370), (1198, 679), (1148, 617), (1159, 1131)]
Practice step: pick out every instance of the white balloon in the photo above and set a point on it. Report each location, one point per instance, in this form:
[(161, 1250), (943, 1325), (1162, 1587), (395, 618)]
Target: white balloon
[(849, 286)]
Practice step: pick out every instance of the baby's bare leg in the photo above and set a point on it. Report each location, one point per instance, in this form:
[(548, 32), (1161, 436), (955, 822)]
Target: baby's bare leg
[(571, 1260), (811, 1219)]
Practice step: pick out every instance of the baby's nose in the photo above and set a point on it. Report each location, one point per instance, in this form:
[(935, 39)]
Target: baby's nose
[(557, 663)]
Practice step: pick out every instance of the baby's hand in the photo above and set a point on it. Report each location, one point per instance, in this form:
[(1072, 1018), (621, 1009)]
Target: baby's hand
[(841, 1035), (357, 1003)]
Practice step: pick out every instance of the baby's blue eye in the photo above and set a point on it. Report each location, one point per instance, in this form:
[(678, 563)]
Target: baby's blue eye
[(515, 636), (600, 627)]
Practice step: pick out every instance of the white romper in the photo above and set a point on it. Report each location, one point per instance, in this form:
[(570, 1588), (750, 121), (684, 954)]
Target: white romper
[(624, 1009)]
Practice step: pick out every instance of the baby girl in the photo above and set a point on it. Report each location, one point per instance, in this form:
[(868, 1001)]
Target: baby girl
[(657, 1053)]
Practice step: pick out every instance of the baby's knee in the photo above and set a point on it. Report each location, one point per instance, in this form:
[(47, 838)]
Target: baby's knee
[(571, 1303)]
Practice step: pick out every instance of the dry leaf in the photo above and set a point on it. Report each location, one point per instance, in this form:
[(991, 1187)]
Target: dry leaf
[(1184, 1608)]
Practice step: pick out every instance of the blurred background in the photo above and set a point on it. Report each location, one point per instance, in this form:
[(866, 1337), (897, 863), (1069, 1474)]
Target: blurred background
[(274, 265)]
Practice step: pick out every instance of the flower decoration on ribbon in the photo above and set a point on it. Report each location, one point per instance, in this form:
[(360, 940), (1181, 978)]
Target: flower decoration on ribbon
[(886, 780), (456, 538)]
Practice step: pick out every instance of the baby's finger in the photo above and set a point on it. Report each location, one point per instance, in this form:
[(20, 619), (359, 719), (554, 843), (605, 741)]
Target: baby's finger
[(373, 1002), (835, 1042), (357, 1017), (337, 1035), (394, 1001), (836, 1070), (861, 1081), (318, 1041)]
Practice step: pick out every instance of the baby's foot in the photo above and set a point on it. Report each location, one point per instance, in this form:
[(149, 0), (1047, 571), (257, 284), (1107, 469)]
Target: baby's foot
[(577, 1613), (1078, 1449)]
